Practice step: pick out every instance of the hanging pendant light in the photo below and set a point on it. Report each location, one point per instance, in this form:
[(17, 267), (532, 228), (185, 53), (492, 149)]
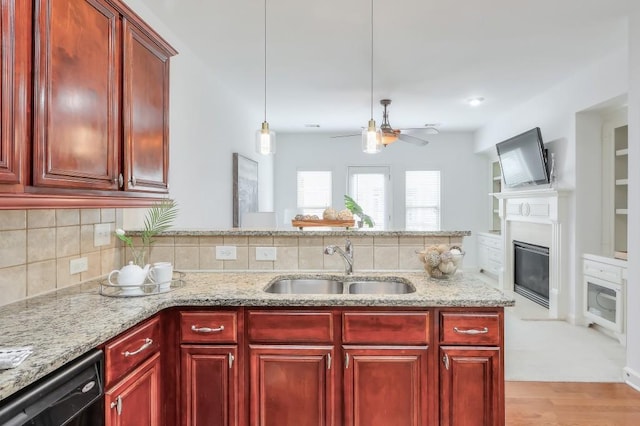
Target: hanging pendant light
[(265, 138), (371, 136)]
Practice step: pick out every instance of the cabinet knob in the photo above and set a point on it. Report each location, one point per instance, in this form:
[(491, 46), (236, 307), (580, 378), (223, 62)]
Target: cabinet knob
[(117, 404), (132, 181), (119, 181)]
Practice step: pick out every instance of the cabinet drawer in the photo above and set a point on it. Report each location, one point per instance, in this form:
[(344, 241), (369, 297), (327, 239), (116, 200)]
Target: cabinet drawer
[(495, 255), (387, 328), (130, 349), (208, 327), (290, 326), (490, 242), (603, 271), (473, 328)]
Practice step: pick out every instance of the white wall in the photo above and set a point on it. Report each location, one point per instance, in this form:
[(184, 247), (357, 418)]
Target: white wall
[(464, 175), (208, 124), (633, 295)]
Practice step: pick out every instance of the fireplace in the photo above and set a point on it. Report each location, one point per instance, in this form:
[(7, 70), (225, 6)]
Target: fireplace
[(531, 272)]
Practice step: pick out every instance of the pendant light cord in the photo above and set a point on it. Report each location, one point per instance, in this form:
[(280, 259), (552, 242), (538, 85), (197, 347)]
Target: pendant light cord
[(265, 60), (371, 59)]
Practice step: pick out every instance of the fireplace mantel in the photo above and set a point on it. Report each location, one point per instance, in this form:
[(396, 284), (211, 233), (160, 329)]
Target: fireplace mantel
[(546, 206)]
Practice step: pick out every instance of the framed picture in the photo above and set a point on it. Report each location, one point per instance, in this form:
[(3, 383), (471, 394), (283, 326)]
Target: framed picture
[(245, 187)]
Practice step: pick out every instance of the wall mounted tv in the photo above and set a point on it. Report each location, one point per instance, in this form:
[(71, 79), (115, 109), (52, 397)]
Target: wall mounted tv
[(523, 159)]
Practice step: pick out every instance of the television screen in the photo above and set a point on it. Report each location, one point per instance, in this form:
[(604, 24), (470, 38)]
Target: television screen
[(523, 160)]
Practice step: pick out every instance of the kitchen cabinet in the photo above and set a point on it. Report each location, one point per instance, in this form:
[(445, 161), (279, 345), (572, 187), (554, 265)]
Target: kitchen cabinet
[(132, 376), (135, 400), (386, 379), (100, 123), (90, 60), (14, 93), (210, 368), (471, 372), (490, 253), (292, 372)]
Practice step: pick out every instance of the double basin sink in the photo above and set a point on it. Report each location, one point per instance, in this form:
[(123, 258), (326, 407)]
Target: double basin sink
[(339, 286)]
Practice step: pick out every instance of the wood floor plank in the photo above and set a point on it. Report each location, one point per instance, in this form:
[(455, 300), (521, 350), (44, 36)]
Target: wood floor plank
[(571, 404)]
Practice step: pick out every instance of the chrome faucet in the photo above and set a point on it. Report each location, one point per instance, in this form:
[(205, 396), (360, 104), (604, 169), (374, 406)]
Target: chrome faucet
[(347, 255)]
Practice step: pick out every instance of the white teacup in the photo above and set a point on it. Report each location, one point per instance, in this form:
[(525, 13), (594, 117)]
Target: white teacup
[(161, 273)]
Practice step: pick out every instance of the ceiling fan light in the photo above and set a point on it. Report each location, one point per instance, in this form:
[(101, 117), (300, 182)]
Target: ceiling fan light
[(265, 140), (388, 139), (371, 138)]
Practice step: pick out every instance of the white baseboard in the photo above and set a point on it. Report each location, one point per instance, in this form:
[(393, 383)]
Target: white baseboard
[(632, 378)]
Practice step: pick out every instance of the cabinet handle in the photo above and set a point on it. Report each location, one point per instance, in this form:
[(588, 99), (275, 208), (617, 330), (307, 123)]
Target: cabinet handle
[(206, 329), (484, 330), (119, 181), (147, 343), (231, 359), (117, 404), (328, 361), (445, 359), (346, 361), (132, 181)]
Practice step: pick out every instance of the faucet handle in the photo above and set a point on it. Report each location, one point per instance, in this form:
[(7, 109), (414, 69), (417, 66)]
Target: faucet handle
[(348, 247)]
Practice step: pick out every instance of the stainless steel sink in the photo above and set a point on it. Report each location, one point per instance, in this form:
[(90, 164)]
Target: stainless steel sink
[(380, 287), (305, 286)]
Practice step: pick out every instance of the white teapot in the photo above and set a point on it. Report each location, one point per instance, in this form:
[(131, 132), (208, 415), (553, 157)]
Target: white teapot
[(129, 275)]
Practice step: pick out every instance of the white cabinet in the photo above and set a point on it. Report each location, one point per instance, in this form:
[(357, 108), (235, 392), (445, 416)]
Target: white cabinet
[(605, 282), (490, 253), (496, 186)]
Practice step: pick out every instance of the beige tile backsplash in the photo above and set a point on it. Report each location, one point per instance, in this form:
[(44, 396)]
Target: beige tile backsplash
[(36, 247)]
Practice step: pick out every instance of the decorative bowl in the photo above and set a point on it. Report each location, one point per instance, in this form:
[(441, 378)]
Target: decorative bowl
[(441, 261)]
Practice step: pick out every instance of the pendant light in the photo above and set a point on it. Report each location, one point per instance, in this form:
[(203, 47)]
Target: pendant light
[(371, 136), (265, 138)]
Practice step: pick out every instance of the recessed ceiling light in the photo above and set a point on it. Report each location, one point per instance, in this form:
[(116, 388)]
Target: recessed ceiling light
[(474, 102), (312, 125)]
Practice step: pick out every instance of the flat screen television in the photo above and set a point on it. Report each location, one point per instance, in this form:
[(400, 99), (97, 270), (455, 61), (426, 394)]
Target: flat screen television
[(523, 159)]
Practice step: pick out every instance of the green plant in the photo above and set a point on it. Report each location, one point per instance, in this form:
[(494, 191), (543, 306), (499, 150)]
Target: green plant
[(158, 219), (355, 208)]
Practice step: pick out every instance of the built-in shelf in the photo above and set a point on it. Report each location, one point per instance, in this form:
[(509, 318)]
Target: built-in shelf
[(497, 178), (621, 211), (622, 181), (621, 152), (496, 211)]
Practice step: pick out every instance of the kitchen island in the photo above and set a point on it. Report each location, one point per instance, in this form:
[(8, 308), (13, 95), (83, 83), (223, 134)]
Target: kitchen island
[(63, 325)]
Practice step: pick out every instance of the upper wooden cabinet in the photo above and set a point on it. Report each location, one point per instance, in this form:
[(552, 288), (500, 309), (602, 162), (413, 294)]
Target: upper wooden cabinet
[(14, 93), (100, 98)]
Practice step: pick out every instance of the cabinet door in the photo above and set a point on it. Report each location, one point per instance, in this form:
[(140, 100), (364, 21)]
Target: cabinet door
[(145, 112), (385, 386), (77, 89), (471, 386), (15, 32), (210, 391), (135, 400), (292, 386)]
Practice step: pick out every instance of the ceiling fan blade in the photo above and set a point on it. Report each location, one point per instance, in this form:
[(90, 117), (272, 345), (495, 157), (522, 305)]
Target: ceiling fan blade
[(428, 130), (346, 136), (412, 139)]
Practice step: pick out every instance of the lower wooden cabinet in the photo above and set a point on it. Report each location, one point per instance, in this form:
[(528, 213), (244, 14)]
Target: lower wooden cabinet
[(135, 400), (292, 385), (385, 386), (209, 385), (470, 386)]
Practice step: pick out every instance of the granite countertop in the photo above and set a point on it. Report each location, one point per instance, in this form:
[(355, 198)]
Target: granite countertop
[(63, 325), (308, 232)]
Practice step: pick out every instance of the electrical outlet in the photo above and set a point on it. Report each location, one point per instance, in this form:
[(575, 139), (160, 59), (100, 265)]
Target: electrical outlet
[(226, 253), (266, 253), (101, 234), (78, 265)]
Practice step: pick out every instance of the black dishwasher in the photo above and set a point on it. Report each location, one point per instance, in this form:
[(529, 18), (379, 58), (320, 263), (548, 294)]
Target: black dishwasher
[(71, 395)]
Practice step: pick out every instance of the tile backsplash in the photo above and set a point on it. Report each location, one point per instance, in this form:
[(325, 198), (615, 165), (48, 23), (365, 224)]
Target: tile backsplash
[(36, 247)]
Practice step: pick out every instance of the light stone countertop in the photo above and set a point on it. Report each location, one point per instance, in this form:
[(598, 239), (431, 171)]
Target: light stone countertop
[(63, 325)]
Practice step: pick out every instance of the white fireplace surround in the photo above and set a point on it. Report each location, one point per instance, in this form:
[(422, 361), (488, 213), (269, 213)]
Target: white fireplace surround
[(541, 206)]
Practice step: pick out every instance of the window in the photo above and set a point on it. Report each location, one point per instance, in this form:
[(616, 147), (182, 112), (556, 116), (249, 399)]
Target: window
[(369, 186), (422, 201), (314, 192)]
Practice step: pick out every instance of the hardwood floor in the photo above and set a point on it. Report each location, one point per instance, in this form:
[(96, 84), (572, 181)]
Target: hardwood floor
[(571, 404)]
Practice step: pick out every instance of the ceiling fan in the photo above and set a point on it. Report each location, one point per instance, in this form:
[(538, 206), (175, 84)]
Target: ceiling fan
[(391, 135)]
